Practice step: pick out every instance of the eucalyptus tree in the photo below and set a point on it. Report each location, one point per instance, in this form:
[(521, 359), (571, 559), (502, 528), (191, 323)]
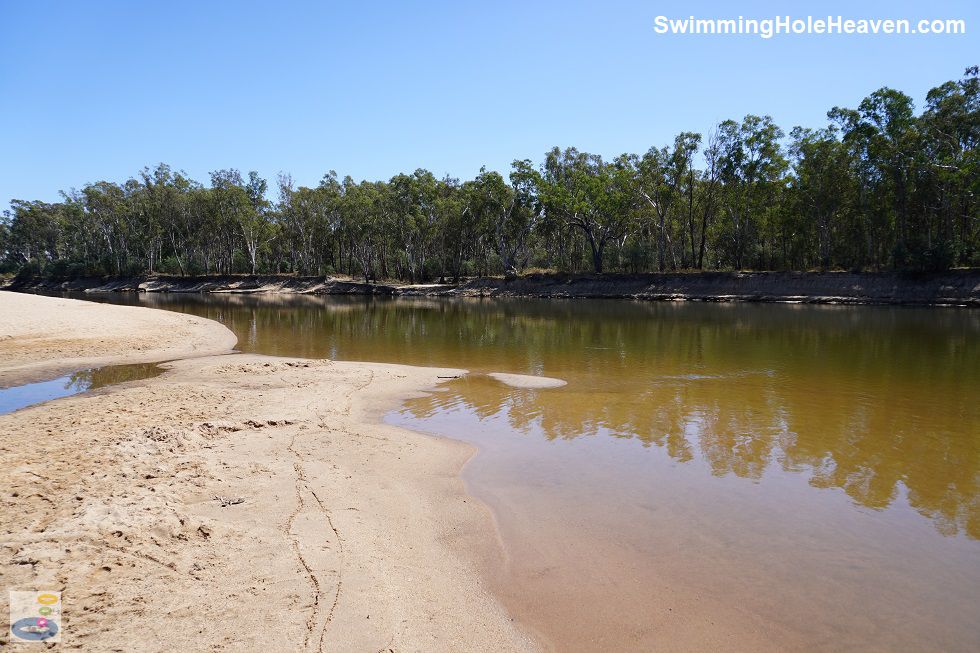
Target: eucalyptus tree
[(666, 180), (489, 202), (311, 223), (685, 147), (883, 136), (327, 218), (365, 211), (34, 232), (585, 193), (457, 233), (257, 229), (242, 205), (707, 190), (299, 216), (184, 229), (414, 205), (950, 178), (107, 203), (6, 246), (202, 245), (752, 173), (824, 193), (160, 209), (79, 244), (513, 231), (507, 213)]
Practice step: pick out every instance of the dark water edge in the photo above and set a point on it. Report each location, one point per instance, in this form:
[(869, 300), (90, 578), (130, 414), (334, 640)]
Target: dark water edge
[(952, 288), (31, 394)]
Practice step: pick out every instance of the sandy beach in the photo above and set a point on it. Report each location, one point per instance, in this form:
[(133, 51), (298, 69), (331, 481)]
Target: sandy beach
[(41, 337), (236, 502)]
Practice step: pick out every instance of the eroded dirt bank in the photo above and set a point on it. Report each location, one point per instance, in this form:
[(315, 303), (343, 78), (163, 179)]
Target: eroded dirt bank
[(957, 287)]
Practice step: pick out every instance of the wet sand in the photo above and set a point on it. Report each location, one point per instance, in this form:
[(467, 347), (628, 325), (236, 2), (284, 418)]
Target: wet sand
[(235, 502)]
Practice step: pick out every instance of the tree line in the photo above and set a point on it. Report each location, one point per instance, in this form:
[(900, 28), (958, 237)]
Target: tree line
[(878, 187)]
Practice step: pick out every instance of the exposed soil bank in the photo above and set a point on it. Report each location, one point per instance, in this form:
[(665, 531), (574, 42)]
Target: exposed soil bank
[(212, 283), (956, 287)]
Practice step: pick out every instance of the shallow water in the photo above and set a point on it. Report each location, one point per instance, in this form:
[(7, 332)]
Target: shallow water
[(29, 394), (713, 475)]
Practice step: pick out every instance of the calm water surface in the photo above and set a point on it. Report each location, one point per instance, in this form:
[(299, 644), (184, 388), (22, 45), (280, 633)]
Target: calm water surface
[(21, 396), (713, 475)]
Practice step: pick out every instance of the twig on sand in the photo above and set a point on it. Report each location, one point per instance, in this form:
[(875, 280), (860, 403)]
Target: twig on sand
[(229, 501)]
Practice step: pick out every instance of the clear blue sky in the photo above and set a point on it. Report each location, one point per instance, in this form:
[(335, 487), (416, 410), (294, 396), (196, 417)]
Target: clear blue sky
[(97, 90)]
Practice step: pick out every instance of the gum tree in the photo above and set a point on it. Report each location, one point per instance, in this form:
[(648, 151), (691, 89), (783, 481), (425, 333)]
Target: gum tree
[(597, 198)]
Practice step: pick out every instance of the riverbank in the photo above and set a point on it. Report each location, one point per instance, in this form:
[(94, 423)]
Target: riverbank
[(240, 502), (43, 337), (956, 287)]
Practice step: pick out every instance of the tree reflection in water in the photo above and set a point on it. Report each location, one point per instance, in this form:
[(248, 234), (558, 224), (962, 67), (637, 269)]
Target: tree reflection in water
[(862, 442), (100, 377), (866, 399)]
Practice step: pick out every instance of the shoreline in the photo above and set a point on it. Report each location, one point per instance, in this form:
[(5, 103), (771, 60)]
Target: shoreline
[(350, 534), (953, 288), (46, 337)]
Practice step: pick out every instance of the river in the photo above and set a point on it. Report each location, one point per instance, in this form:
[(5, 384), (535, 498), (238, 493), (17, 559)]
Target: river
[(712, 475)]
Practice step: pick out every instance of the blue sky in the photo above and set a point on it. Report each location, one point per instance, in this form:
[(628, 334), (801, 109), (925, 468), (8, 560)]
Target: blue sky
[(97, 90)]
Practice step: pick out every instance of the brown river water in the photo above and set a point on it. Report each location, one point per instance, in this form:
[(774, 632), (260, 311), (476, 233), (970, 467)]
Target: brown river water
[(713, 476)]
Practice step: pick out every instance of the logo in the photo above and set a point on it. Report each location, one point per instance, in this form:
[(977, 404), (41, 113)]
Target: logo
[(35, 616)]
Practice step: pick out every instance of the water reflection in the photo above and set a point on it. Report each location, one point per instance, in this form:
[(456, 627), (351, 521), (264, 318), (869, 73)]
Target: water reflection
[(29, 394), (805, 474), (865, 399), (743, 423), (100, 377)]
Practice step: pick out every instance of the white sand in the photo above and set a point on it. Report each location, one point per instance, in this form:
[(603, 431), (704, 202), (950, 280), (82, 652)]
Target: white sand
[(527, 380), (350, 536), (42, 337)]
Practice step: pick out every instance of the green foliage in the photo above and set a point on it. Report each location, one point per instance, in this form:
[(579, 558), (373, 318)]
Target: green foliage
[(880, 186), (581, 191)]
